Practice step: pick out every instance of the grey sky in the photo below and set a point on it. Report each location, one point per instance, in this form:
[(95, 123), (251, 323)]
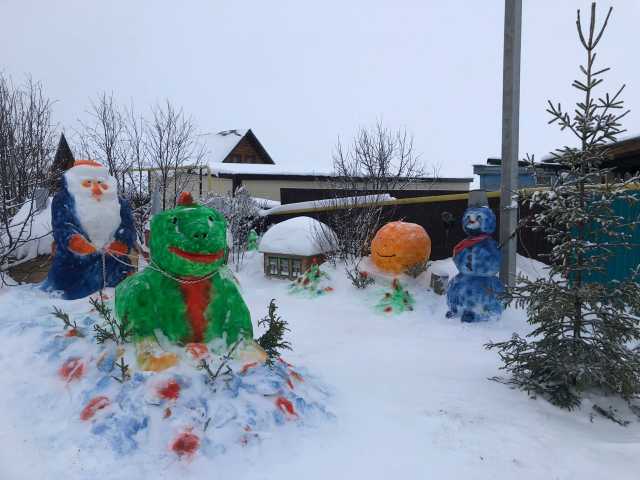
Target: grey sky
[(301, 73)]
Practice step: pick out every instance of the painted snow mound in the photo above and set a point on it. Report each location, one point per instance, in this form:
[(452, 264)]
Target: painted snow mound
[(298, 236), (178, 412)]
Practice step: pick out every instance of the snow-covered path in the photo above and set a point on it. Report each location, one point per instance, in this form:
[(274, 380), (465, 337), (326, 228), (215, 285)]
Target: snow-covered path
[(410, 394)]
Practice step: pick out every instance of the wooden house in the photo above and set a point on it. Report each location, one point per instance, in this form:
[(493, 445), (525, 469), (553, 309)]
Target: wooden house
[(237, 158)]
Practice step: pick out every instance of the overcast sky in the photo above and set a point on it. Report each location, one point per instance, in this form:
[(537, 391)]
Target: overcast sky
[(300, 73)]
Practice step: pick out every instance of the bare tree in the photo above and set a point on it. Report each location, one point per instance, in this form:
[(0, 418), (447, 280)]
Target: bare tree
[(378, 161), (136, 185), (103, 138), (174, 149), (26, 147)]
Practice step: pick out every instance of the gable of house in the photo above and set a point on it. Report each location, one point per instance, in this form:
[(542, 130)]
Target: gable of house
[(238, 146)]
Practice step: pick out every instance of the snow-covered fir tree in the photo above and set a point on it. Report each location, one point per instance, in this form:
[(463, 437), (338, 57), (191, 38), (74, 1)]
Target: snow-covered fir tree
[(586, 330)]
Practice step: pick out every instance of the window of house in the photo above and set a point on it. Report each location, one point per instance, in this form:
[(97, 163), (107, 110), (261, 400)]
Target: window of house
[(296, 268), (273, 266), (284, 266), (236, 159), (249, 159)]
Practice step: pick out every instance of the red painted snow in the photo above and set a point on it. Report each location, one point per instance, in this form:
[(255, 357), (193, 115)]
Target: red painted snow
[(186, 444), (198, 350), (196, 296), (247, 367), (170, 390), (72, 369), (95, 404), (286, 406)]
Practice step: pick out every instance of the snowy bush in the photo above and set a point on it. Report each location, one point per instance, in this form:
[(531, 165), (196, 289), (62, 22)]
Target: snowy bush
[(242, 214)]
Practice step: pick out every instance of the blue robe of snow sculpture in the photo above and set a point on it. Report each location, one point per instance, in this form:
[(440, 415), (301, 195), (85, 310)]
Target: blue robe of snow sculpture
[(93, 233), (473, 294)]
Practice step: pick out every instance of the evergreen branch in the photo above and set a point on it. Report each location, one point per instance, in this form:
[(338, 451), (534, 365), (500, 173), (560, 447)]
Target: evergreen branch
[(113, 329), (272, 340), (64, 316), (610, 413), (125, 373)]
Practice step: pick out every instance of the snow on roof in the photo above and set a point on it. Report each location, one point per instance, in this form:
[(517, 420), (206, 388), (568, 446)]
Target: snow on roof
[(303, 236), (329, 202), (220, 144), (266, 202), (259, 168), (34, 231)]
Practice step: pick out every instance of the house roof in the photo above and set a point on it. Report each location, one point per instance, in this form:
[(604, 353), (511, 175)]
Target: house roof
[(626, 146), (257, 171), (222, 143)]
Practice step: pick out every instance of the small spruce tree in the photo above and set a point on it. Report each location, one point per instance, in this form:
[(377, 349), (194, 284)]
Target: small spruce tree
[(272, 340), (584, 329)]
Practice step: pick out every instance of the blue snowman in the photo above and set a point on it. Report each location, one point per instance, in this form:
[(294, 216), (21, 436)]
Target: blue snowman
[(474, 294)]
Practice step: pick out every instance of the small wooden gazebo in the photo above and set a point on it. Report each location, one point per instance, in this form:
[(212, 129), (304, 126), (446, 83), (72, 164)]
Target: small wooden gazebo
[(292, 246)]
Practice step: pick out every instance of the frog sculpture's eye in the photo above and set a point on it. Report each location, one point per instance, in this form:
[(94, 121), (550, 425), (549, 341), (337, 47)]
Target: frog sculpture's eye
[(210, 218), (174, 220)]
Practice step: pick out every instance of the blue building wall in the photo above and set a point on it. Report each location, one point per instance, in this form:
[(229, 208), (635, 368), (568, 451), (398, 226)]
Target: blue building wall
[(624, 260), (491, 182)]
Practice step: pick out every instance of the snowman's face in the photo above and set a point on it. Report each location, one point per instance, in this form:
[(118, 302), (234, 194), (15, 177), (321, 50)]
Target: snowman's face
[(477, 220), (91, 182)]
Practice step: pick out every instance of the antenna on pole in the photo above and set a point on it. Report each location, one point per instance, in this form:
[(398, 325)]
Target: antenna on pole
[(510, 132)]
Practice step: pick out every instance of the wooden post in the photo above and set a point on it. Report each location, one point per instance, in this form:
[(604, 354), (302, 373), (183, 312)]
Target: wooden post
[(510, 124)]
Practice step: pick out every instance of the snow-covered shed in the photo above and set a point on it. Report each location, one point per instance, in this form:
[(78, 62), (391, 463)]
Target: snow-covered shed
[(290, 247), (31, 229)]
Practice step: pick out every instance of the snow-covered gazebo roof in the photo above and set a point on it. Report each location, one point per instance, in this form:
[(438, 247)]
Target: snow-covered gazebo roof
[(302, 236), (33, 229)]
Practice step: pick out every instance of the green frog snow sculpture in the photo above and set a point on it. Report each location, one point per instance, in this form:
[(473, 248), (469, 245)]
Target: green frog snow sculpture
[(186, 294)]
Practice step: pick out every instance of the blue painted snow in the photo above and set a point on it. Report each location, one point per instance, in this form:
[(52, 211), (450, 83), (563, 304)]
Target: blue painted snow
[(236, 410), (474, 294)]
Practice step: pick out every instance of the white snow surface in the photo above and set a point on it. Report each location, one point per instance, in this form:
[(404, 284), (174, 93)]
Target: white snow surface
[(36, 236), (298, 236), (328, 202), (261, 169), (410, 394), (265, 203)]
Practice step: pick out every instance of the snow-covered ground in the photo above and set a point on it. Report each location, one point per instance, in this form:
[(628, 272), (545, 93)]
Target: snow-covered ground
[(410, 395)]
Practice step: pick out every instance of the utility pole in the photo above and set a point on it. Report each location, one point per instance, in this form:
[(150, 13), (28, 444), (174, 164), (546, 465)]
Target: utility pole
[(510, 123)]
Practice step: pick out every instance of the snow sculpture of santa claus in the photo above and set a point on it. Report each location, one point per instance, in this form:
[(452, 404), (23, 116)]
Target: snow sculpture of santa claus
[(93, 232)]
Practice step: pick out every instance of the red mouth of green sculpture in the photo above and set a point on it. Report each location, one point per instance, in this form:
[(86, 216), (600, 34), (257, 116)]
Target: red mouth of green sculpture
[(198, 257)]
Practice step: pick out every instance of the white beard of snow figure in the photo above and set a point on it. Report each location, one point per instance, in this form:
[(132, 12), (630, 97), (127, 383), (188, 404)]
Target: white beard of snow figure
[(96, 200)]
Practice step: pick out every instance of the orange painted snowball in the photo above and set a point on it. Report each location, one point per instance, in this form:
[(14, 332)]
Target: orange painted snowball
[(400, 245)]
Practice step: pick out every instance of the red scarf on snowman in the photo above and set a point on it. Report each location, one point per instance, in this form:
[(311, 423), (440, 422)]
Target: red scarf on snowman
[(469, 242)]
